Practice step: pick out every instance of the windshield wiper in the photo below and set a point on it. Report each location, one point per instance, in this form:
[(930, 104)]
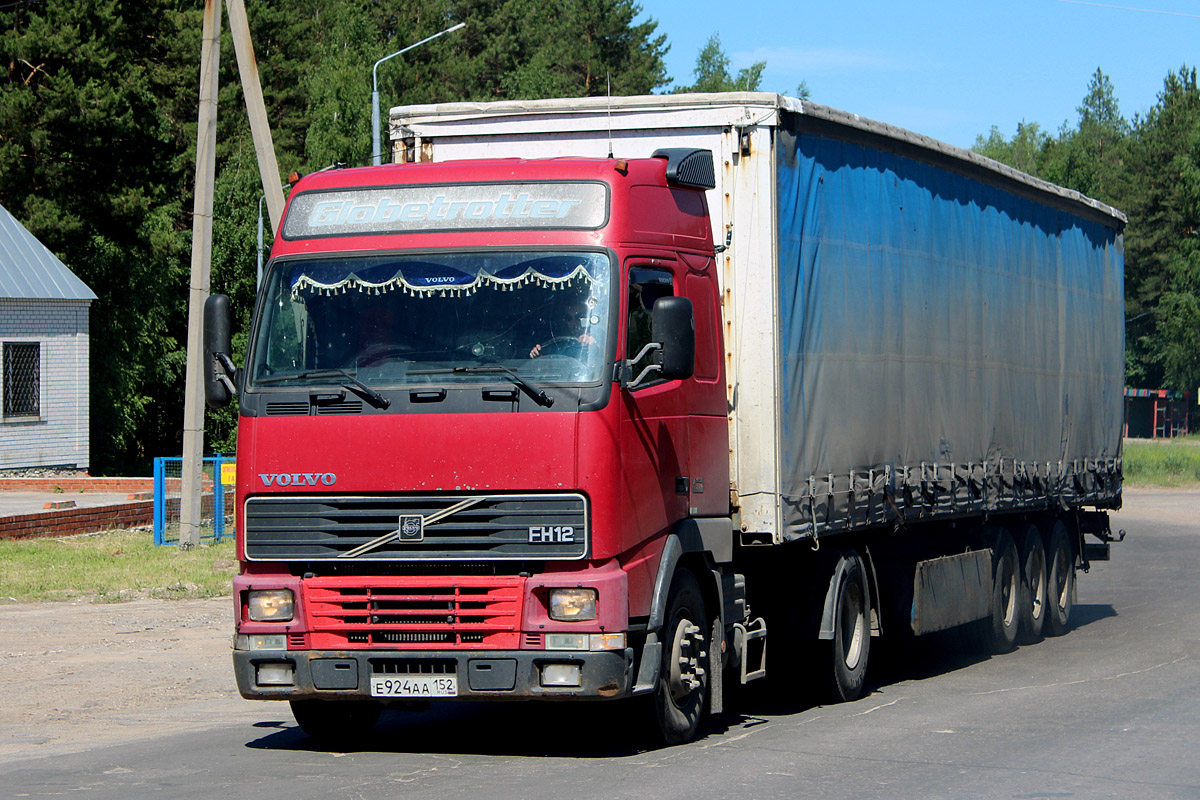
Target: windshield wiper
[(539, 395), (354, 385)]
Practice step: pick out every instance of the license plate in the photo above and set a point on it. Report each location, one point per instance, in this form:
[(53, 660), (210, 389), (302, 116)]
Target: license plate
[(414, 686)]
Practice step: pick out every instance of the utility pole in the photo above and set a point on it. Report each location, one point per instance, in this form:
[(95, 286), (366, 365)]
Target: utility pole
[(190, 510), (191, 503)]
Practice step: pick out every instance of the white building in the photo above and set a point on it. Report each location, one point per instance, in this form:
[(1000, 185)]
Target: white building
[(43, 355)]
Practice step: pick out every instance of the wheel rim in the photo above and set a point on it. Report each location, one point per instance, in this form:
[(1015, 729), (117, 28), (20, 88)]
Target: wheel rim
[(1037, 583), (853, 625), (1008, 593), (1061, 578), (687, 650)]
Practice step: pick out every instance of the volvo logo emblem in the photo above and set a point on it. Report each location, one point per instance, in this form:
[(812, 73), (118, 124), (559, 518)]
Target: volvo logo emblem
[(412, 528), (298, 478)]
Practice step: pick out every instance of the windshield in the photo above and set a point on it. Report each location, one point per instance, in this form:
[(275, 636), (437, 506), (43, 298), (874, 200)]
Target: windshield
[(430, 318)]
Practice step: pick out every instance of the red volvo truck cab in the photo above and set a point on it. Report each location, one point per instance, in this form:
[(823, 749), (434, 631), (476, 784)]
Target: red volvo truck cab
[(479, 400)]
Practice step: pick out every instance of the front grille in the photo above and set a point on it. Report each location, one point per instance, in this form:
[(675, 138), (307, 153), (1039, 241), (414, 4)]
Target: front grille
[(413, 666), (483, 528), (349, 566), (414, 613)]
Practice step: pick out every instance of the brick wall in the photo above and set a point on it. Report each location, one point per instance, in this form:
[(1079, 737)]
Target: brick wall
[(68, 521), (77, 520), (86, 484), (60, 436)]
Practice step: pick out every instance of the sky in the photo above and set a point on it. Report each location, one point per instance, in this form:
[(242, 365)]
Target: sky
[(950, 70)]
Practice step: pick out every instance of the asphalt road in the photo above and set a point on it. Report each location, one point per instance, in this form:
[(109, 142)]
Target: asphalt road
[(1109, 710)]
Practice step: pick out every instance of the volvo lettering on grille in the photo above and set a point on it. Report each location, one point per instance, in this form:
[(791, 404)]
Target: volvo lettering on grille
[(297, 478)]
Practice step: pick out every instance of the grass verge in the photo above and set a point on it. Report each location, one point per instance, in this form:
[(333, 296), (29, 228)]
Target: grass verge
[(112, 567), (1160, 462)]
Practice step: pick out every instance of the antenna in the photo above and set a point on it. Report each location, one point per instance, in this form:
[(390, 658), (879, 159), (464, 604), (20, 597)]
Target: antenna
[(608, 75)]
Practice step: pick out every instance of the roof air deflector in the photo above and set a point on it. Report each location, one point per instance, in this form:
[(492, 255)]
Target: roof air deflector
[(688, 167)]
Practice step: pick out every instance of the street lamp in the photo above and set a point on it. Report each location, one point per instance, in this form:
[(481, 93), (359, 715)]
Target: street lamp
[(376, 146)]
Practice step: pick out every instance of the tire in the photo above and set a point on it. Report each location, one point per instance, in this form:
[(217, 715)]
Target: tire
[(847, 653), (1033, 586), (1060, 580), (339, 722), (1006, 594), (680, 698)]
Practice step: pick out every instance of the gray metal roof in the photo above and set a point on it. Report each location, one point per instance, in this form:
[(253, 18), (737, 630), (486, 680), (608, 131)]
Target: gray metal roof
[(28, 271)]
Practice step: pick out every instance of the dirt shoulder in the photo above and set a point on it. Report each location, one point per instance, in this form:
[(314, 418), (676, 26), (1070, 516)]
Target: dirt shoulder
[(79, 675)]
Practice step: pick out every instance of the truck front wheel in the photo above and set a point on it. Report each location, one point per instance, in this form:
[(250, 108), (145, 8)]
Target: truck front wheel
[(683, 680), (336, 721)]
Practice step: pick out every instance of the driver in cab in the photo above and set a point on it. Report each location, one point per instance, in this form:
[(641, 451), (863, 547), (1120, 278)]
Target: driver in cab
[(565, 324)]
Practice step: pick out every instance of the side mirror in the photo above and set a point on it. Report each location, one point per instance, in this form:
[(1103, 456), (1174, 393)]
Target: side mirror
[(217, 366), (673, 325)]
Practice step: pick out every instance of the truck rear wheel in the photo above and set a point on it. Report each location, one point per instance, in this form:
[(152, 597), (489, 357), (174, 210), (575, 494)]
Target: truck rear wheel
[(1006, 589), (336, 721), (683, 680), (1033, 586), (1060, 580), (846, 654)]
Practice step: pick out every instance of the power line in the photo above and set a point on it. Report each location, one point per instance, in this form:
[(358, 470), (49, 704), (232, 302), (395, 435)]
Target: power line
[(1128, 8)]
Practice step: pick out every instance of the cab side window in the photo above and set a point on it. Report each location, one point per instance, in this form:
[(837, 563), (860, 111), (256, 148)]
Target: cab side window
[(645, 287)]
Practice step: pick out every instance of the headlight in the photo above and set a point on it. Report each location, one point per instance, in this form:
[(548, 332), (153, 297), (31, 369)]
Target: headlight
[(271, 605), (572, 605)]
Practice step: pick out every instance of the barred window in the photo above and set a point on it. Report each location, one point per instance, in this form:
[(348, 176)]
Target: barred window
[(22, 379)]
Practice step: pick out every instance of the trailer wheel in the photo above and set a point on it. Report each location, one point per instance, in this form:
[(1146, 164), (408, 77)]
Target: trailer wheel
[(848, 651), (1006, 590), (336, 721), (1033, 586), (1060, 580), (683, 681)]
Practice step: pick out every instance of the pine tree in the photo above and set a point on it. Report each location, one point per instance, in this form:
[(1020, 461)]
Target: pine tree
[(1161, 193), (712, 72)]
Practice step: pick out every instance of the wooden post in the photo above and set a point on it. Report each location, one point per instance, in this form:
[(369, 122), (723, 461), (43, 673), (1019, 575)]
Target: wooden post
[(206, 162), (260, 130)]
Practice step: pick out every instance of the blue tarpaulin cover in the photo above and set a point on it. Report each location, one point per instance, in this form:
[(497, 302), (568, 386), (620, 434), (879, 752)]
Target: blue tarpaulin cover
[(948, 344)]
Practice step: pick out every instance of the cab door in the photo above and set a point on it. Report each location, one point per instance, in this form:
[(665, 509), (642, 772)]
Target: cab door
[(655, 451)]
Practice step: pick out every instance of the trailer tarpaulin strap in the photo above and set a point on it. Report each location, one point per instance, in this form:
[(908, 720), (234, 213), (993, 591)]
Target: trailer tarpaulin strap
[(969, 342)]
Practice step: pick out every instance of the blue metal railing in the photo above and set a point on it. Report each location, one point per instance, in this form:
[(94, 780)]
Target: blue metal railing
[(167, 486)]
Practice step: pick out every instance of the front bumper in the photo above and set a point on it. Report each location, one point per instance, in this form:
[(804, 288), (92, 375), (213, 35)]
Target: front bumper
[(482, 675)]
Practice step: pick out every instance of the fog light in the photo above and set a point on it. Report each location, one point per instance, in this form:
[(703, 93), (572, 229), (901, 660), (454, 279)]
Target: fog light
[(572, 605), (275, 673), (560, 675), (270, 605), (566, 641)]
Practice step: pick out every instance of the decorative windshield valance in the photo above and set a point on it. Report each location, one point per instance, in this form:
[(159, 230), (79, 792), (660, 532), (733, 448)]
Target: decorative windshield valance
[(429, 279)]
